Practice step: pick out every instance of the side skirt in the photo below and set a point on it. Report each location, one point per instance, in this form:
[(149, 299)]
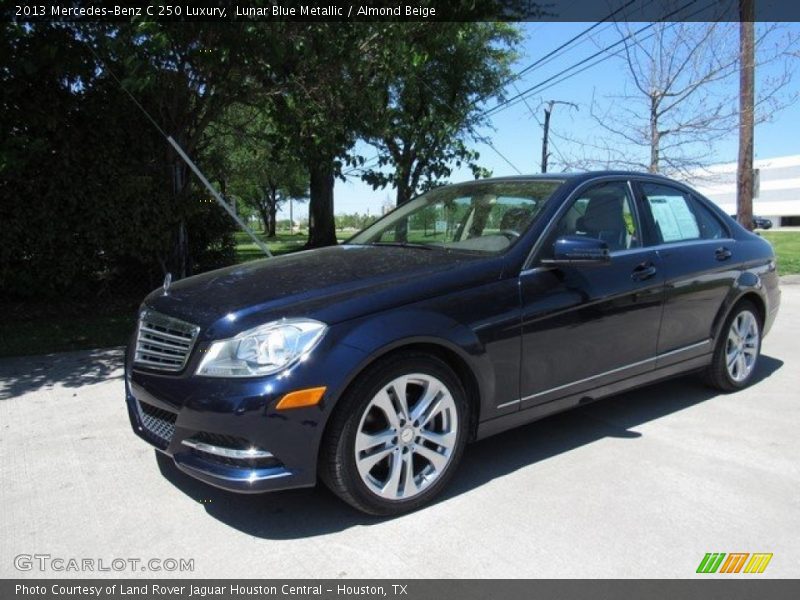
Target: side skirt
[(539, 411)]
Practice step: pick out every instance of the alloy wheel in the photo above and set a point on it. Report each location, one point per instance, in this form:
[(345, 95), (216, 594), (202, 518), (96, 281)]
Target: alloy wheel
[(406, 436), (741, 348)]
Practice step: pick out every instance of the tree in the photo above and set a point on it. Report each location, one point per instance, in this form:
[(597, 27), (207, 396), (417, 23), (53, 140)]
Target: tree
[(436, 77), (324, 71), (186, 75), (255, 164), (679, 98)]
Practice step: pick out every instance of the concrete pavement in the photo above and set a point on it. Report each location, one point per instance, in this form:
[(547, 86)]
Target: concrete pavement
[(640, 485)]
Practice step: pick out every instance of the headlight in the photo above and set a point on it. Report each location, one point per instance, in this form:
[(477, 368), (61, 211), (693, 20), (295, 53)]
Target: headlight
[(262, 350)]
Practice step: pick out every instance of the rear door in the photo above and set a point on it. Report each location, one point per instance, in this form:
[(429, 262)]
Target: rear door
[(696, 254)]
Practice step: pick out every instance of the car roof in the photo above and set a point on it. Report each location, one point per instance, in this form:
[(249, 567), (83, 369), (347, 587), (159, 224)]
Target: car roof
[(571, 176)]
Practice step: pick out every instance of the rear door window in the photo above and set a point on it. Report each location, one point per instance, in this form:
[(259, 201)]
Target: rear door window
[(672, 213)]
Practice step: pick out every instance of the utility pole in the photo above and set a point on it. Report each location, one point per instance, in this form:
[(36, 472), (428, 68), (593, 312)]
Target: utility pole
[(548, 110), (744, 176)]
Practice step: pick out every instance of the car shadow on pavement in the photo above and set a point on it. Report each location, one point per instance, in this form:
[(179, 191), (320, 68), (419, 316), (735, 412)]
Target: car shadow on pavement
[(21, 375), (316, 511)]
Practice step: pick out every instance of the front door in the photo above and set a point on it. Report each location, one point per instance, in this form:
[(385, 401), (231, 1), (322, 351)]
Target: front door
[(584, 326)]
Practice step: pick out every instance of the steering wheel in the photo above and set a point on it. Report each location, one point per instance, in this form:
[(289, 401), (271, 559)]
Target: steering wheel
[(510, 234)]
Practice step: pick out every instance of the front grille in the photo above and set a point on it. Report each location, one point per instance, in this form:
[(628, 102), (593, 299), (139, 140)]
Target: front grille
[(158, 423), (163, 343)]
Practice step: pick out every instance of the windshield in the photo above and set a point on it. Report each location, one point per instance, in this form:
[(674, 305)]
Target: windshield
[(479, 217)]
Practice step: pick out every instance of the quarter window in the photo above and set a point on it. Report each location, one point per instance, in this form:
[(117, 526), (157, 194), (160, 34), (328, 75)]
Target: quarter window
[(710, 226)]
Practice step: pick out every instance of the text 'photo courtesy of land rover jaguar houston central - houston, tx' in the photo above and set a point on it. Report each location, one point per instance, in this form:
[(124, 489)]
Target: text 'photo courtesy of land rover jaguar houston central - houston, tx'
[(468, 310)]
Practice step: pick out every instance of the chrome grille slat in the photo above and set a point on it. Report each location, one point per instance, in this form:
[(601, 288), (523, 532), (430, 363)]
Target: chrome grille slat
[(163, 343), (172, 355), (157, 362), (155, 332)]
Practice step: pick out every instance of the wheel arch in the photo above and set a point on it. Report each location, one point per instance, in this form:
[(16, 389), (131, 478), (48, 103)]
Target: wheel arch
[(422, 345), (750, 291)]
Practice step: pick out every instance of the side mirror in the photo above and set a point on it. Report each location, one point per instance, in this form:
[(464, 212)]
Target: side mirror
[(579, 250)]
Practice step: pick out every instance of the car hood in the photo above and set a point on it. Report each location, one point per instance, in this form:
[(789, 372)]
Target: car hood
[(330, 284)]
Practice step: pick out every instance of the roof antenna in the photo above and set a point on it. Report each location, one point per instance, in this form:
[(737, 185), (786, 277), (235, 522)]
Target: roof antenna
[(216, 195)]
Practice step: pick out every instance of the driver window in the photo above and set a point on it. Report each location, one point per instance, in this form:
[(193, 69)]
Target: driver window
[(603, 212)]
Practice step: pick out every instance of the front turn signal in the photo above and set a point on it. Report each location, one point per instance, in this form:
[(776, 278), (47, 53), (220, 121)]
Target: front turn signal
[(301, 398)]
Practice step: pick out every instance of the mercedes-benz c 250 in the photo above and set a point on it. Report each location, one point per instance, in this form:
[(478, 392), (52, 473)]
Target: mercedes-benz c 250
[(468, 310)]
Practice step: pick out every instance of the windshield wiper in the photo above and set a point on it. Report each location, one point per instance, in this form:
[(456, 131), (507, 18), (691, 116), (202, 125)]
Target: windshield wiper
[(403, 245)]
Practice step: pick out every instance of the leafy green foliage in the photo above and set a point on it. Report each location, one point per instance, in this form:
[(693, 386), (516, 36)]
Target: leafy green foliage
[(94, 200), (438, 76)]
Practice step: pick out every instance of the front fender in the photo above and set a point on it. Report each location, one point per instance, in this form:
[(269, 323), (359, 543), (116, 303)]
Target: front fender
[(378, 335)]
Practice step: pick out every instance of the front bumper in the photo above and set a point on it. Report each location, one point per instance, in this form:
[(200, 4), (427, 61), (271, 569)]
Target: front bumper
[(166, 410)]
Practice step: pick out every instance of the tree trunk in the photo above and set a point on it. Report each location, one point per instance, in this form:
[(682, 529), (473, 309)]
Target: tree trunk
[(403, 179), (655, 136), (403, 193), (744, 178), (273, 217), (322, 228), (265, 221)]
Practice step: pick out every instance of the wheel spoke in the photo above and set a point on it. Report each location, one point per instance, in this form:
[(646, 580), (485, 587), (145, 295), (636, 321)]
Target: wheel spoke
[(367, 463), (400, 388), (741, 366), (446, 439), (383, 402), (409, 483), (428, 405), (368, 441), (392, 486), (747, 324), (732, 356), (437, 460)]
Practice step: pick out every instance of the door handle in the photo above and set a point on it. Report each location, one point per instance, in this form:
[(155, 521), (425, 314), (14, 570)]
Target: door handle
[(722, 253), (643, 271)]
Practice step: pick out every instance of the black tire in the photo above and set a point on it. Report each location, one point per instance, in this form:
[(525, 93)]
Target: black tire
[(338, 467), (717, 374)]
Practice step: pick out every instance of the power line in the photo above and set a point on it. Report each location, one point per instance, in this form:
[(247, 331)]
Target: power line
[(500, 154), (571, 40), (516, 99)]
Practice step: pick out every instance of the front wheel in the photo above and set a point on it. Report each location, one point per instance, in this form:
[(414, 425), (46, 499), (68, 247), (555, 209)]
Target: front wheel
[(397, 435), (737, 351)]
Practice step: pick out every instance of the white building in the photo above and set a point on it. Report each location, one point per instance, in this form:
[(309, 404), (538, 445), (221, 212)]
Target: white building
[(777, 193)]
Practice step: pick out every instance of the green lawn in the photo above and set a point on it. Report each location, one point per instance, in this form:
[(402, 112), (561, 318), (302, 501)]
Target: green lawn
[(787, 248), (282, 243)]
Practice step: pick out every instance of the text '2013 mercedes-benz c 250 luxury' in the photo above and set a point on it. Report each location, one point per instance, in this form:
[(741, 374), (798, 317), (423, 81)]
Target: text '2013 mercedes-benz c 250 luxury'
[(469, 310)]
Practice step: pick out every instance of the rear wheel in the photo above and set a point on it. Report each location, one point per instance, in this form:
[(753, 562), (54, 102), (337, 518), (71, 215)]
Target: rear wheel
[(397, 435), (737, 351)]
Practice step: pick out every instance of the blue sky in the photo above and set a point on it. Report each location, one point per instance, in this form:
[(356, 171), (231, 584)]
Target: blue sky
[(517, 135)]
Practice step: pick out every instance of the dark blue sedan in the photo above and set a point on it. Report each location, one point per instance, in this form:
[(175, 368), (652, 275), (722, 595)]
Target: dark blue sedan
[(469, 310)]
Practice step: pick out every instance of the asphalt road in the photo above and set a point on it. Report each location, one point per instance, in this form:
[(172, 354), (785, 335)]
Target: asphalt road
[(640, 485)]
